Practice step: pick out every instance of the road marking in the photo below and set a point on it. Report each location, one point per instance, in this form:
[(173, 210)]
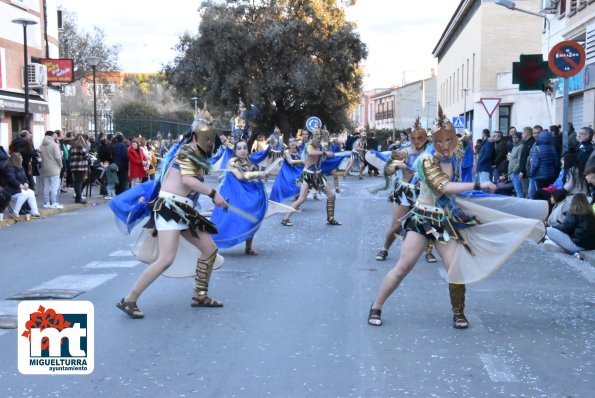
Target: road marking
[(497, 369), (111, 264), (121, 253), (75, 282)]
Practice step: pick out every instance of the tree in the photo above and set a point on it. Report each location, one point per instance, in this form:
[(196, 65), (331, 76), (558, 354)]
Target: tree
[(135, 118), (289, 58), (79, 45)]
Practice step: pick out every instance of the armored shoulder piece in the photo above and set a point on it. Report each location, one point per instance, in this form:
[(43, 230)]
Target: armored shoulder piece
[(191, 161), (435, 177), (244, 168)]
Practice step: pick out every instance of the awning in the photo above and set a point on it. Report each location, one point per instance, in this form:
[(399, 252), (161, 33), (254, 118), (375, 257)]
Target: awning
[(15, 102)]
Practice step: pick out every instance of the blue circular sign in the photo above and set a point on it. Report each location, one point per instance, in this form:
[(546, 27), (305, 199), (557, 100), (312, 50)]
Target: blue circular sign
[(313, 123), (567, 58)]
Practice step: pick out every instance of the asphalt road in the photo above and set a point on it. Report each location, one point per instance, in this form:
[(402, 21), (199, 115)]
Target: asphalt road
[(294, 321)]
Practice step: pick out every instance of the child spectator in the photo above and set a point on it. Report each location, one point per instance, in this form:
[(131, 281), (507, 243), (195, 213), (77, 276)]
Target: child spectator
[(577, 232), (111, 171)]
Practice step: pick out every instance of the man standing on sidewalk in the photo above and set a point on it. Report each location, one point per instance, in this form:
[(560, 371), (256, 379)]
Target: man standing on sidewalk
[(51, 164)]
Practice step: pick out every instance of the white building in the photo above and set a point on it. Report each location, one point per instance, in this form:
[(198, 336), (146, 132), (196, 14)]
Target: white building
[(475, 55), (44, 102)]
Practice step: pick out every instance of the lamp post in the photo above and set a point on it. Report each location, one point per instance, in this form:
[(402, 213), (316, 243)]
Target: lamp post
[(25, 22), (428, 116), (94, 61), (465, 90)]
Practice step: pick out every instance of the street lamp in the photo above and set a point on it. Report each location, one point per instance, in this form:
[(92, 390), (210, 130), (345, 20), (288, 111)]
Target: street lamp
[(25, 22), (465, 90), (94, 61)]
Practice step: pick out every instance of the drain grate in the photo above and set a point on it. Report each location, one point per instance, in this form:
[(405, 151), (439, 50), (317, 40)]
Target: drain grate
[(44, 294)]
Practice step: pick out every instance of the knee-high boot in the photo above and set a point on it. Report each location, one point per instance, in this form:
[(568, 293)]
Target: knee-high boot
[(336, 180), (457, 300), (330, 213), (202, 276)]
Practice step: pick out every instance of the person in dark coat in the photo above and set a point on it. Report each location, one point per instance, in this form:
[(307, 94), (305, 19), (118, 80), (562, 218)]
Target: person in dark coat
[(23, 144), (485, 159), (120, 158), (528, 142), (584, 146), (544, 163), (15, 183)]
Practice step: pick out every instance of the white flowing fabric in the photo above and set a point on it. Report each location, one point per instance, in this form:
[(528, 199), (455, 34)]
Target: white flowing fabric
[(493, 241)]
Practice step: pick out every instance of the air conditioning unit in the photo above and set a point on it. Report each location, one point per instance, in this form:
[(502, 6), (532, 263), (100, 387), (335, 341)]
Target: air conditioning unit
[(549, 6), (37, 75)]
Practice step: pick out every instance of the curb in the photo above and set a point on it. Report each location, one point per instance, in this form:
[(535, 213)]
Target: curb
[(51, 212)]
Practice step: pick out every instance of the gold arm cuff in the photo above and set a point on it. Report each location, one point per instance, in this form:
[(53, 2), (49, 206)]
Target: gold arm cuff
[(435, 177), (249, 175)]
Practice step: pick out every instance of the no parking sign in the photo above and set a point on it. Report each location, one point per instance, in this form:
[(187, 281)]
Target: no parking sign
[(567, 58)]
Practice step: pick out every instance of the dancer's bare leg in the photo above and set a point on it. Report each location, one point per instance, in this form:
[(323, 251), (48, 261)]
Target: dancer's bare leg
[(168, 246), (301, 199), (398, 213), (411, 249)]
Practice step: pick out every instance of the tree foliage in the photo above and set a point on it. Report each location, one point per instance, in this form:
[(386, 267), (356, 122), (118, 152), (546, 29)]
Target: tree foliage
[(135, 118), (79, 45), (289, 58)]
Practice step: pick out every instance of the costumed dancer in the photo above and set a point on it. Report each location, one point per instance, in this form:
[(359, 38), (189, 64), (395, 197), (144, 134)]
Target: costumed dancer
[(276, 146), (241, 188), (464, 230), (174, 214), (330, 167), (313, 177), (357, 155), (405, 190), (284, 186)]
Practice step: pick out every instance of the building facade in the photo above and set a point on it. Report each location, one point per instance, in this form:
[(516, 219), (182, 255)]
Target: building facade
[(44, 101), (475, 55), (574, 20)]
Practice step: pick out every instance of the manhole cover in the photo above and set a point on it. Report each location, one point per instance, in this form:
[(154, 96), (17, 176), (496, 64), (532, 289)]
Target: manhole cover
[(44, 294), (8, 322)]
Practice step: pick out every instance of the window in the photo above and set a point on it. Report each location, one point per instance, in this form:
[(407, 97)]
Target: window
[(504, 118)]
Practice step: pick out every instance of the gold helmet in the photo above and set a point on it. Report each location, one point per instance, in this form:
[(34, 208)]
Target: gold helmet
[(202, 129), (444, 136), (419, 136)]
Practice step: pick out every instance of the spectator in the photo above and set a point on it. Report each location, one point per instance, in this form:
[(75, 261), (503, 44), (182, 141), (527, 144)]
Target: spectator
[(104, 153), (153, 160), (514, 164), (138, 164), (501, 155), (486, 157), (3, 156), (120, 158), (528, 142), (79, 164), (50, 170), (577, 232), (560, 207), (111, 172), (543, 163), (23, 144), (15, 183), (584, 146), (556, 139)]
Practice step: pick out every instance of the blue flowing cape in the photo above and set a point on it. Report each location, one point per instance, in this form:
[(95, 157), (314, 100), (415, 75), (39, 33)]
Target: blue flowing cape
[(227, 155), (328, 165), (260, 156), (213, 159), (285, 185), (251, 197)]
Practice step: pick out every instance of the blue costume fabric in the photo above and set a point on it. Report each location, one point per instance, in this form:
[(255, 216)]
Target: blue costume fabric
[(249, 196), (328, 165), (227, 154), (260, 156), (213, 159), (467, 164), (285, 186)]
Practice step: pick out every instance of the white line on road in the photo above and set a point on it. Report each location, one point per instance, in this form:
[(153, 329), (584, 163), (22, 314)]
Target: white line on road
[(497, 369), (75, 282), (121, 253), (111, 264)]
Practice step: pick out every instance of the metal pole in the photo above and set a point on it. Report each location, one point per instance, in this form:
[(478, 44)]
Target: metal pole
[(26, 73), (428, 116), (465, 90), (94, 101), (565, 121), (490, 124)]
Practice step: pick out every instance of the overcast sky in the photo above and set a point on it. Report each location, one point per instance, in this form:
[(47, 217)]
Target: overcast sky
[(400, 34)]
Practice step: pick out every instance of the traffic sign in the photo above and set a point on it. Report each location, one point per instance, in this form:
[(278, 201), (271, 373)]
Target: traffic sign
[(531, 72), (567, 58), (313, 123), (490, 105), (458, 122)]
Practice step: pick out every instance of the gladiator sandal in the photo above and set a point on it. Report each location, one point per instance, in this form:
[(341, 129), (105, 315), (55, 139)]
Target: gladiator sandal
[(130, 308), (429, 256), (336, 180), (457, 300), (330, 213), (204, 268)]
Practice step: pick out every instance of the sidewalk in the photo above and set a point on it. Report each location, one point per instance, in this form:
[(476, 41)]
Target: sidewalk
[(66, 200)]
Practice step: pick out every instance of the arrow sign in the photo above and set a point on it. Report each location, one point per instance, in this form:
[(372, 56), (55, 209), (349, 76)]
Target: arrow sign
[(490, 104), (458, 122)]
